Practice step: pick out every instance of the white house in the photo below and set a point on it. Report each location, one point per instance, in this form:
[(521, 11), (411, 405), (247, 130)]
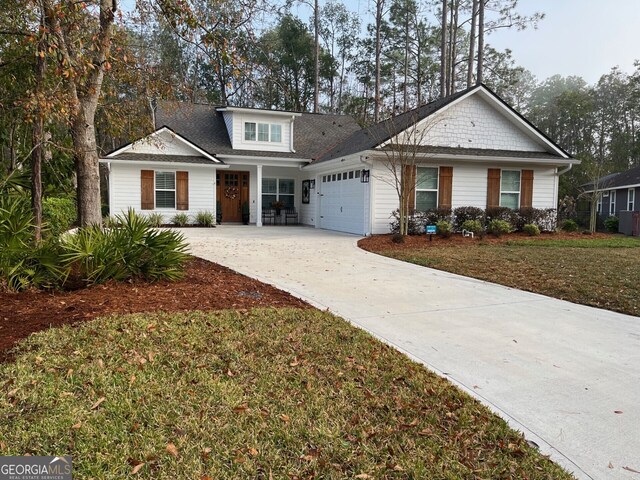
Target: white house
[(474, 150)]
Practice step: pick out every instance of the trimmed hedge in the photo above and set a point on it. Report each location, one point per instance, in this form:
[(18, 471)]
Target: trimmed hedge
[(544, 219)]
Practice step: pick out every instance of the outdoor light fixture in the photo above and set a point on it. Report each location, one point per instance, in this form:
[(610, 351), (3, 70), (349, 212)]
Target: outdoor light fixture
[(364, 177)]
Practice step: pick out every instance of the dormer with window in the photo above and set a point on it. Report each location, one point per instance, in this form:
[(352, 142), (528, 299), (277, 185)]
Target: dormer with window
[(260, 130)]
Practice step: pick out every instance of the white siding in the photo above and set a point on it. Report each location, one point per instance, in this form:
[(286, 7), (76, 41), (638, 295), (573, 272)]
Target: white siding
[(239, 143), (164, 143), (473, 123), (385, 198), (125, 189), (469, 188), (308, 211)]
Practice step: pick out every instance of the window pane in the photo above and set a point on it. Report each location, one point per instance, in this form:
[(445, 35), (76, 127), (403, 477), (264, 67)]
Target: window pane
[(427, 178), (276, 133), (165, 181), (263, 132), (510, 181), (286, 186), (350, 174), (426, 200), (287, 200), (510, 200), (267, 200), (269, 185), (250, 131), (165, 199), (357, 173)]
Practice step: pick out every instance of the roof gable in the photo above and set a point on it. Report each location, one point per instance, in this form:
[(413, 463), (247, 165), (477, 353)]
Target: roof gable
[(461, 112), (162, 142)]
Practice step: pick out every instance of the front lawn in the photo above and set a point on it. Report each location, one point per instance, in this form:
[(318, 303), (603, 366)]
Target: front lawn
[(601, 271), (286, 393)]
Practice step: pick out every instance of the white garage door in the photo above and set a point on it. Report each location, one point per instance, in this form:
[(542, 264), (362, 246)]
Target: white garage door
[(343, 202)]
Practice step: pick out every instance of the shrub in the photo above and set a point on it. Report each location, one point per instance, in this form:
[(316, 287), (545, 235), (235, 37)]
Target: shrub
[(155, 219), (205, 218), (415, 226), (110, 222), (611, 224), (180, 219), (23, 264), (59, 214), (462, 214), (499, 213), (432, 216), (135, 250), (569, 226), (531, 230), (498, 227), (444, 228), (474, 226), (397, 238)]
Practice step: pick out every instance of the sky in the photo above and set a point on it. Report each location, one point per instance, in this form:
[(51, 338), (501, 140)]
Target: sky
[(577, 37)]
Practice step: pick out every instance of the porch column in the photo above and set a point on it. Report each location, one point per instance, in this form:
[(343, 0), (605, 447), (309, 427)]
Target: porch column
[(259, 196)]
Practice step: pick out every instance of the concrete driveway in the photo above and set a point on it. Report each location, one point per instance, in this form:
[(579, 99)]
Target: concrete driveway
[(566, 375)]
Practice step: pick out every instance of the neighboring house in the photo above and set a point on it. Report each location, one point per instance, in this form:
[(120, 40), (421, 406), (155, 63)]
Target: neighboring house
[(475, 151), (620, 197)]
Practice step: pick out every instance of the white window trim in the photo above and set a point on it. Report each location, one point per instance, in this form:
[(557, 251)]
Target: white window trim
[(519, 192), (612, 202), (174, 190), (631, 199), (599, 205), (437, 189), (277, 192), (257, 141)]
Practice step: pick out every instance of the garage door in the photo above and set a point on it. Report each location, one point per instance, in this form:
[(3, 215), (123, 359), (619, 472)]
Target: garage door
[(343, 202)]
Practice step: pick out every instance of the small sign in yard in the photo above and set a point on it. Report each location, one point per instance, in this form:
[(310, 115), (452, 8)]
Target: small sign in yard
[(431, 231)]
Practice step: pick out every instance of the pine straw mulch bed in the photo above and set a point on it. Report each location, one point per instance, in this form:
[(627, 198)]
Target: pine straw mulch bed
[(206, 286)]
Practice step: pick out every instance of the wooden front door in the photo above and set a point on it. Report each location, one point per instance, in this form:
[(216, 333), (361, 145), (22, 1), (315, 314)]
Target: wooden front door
[(232, 191)]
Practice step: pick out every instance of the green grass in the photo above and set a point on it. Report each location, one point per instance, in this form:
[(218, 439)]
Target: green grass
[(615, 242), (591, 271), (261, 394)]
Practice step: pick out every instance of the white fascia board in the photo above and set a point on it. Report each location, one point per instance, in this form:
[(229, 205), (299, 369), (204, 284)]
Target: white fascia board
[(151, 163), (519, 121), (335, 163), (489, 159), (163, 130), (267, 161), (259, 111), (621, 187)]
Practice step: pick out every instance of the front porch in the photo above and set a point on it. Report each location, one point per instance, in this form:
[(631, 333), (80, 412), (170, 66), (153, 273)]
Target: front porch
[(262, 194)]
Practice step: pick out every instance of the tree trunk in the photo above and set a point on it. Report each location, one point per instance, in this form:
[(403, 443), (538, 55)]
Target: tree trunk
[(37, 152), (86, 161), (453, 52), (376, 110), (405, 90), (443, 52), (472, 43), (480, 68), (316, 87)]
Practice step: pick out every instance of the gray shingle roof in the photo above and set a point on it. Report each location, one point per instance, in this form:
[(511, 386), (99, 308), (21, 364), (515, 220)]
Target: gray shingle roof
[(204, 126), (380, 132), (151, 157), (618, 180)]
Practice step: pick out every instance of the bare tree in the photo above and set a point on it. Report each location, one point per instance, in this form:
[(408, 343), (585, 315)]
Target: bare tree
[(593, 191), (480, 69), (404, 148), (443, 51), (472, 43)]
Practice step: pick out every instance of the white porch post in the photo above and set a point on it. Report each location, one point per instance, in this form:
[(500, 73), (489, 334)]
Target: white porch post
[(259, 196)]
